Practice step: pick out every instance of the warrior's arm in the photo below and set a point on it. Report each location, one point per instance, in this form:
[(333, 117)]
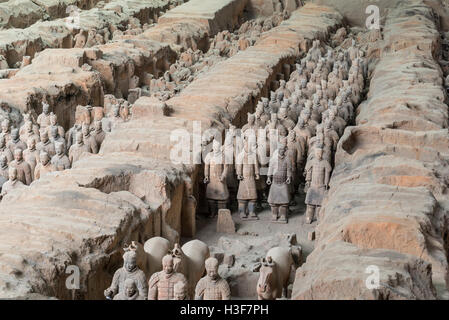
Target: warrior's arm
[(239, 169), (309, 172), (270, 168), (289, 169), (152, 284), (94, 147)]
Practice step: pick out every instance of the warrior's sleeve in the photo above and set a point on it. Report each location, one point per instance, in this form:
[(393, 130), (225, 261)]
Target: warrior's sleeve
[(93, 146), (309, 171), (9, 155), (256, 165), (199, 290), (289, 169), (225, 169), (152, 284), (225, 290), (270, 168), (239, 164), (327, 173), (142, 284), (28, 176), (37, 172), (207, 166)]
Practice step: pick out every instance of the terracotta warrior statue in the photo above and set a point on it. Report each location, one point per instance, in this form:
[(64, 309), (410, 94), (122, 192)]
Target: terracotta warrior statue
[(251, 124), (279, 177), (247, 169), (44, 166), (212, 286), (28, 117), (60, 160), (12, 183), (4, 169), (130, 270), (215, 172), (161, 284), (23, 168), (180, 291), (130, 291), (318, 173), (296, 155)]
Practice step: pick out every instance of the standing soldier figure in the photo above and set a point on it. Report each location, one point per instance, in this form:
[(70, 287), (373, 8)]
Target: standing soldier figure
[(247, 168), (280, 170), (318, 173), (212, 286), (162, 283), (215, 171)]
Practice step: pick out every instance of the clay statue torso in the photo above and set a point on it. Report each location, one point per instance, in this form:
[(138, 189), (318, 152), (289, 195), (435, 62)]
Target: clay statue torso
[(23, 171), (137, 275), (318, 173), (280, 169), (60, 162), (31, 157), (247, 166), (8, 186), (210, 289), (42, 170)]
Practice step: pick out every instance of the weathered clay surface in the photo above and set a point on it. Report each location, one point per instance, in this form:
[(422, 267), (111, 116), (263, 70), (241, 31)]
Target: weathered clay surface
[(60, 33)]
